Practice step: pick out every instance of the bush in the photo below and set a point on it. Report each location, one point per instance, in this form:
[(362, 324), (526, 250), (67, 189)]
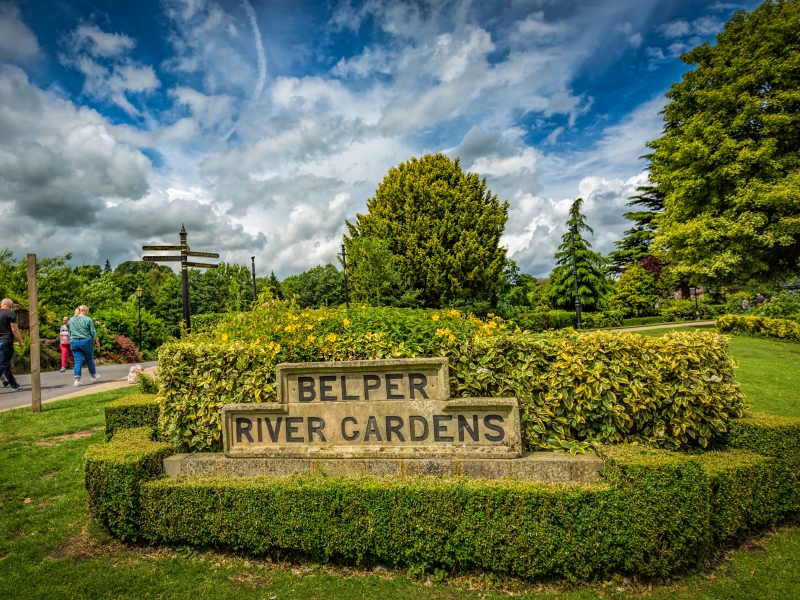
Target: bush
[(642, 321), (602, 320), (128, 412), (685, 310), (114, 474), (125, 321), (783, 305), (126, 349), (757, 326), (536, 321), (574, 388)]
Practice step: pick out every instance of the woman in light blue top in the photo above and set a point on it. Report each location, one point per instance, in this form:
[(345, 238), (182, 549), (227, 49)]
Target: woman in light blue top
[(83, 337)]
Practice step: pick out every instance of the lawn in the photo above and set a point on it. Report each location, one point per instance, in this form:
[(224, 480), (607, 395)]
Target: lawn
[(50, 549)]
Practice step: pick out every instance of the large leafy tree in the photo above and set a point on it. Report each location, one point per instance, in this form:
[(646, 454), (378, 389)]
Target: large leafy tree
[(591, 266), (431, 238), (728, 162), (315, 287)]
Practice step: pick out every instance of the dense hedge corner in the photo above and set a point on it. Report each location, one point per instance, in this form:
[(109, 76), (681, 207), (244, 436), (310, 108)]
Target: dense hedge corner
[(128, 412), (778, 438), (758, 326), (114, 473)]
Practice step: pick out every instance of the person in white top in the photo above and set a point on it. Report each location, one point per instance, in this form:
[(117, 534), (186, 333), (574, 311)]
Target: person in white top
[(66, 351)]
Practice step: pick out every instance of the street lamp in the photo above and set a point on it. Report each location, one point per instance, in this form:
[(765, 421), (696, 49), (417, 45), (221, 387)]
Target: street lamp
[(139, 301), (344, 265), (696, 308)]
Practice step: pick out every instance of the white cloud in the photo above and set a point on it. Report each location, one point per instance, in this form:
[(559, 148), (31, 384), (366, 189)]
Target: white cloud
[(57, 162), (17, 42), (98, 43)]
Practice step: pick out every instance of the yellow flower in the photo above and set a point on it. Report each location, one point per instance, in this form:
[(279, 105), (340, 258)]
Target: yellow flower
[(331, 337), (258, 341), (346, 322), (224, 337), (452, 337), (435, 317)]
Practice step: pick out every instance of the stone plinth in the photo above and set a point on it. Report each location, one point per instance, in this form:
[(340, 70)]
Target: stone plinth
[(548, 467)]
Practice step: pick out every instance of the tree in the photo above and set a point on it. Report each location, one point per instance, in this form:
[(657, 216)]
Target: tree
[(728, 162), (316, 287), (275, 285), (593, 285), (635, 245), (435, 231), (107, 268), (635, 293)]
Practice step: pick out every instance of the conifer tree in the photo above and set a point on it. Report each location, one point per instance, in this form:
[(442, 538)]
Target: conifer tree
[(437, 229), (107, 268), (593, 285), (635, 245)]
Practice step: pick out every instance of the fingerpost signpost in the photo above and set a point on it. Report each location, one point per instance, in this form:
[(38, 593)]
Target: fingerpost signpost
[(183, 258)]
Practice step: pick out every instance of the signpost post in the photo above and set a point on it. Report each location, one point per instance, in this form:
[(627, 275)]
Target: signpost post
[(185, 253)]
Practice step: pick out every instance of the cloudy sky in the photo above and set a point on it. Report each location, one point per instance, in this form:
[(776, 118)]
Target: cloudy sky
[(264, 124)]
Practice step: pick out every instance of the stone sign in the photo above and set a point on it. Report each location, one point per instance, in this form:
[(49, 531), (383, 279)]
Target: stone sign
[(358, 409)]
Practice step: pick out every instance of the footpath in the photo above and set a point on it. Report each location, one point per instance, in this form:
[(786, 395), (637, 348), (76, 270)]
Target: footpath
[(59, 386)]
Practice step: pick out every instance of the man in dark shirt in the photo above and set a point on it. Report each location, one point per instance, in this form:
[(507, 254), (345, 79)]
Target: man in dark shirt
[(8, 331)]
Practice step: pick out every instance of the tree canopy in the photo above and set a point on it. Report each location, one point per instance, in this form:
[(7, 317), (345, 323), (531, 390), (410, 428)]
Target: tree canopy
[(430, 238), (635, 245), (593, 285), (728, 162)]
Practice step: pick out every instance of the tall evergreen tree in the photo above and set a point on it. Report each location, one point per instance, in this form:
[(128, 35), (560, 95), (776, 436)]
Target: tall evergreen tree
[(593, 285), (437, 229), (635, 245), (107, 268)]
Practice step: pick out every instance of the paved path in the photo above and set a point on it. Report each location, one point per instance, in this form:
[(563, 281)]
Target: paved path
[(669, 325), (57, 385)]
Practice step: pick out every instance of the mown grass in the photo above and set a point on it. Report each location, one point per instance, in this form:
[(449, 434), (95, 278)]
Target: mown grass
[(50, 549)]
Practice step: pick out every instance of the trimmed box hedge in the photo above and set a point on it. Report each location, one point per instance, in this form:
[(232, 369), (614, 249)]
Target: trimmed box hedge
[(114, 473), (136, 410), (656, 512)]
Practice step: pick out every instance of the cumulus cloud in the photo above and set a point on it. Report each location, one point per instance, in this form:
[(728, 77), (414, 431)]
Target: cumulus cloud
[(58, 162), (18, 43)]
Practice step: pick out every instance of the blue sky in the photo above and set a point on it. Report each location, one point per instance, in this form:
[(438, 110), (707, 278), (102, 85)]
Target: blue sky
[(263, 126)]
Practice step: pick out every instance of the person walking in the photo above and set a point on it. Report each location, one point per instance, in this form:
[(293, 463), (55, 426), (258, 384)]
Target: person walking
[(8, 331), (66, 351), (83, 338), (745, 306)]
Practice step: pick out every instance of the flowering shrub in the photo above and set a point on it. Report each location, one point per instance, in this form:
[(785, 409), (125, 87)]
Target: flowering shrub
[(758, 326), (574, 388), (125, 349)]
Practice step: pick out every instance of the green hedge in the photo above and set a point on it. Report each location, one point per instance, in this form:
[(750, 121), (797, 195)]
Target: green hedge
[(637, 321), (114, 473), (779, 438), (656, 512), (136, 410), (574, 388), (754, 325)]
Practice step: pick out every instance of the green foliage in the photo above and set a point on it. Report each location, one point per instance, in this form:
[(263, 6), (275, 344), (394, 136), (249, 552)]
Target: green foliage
[(536, 321), (779, 438), (114, 473), (635, 293), (593, 285), (754, 325), (782, 305), (636, 322), (602, 320), (656, 513), (129, 412), (635, 245), (147, 384), (686, 310), (124, 320), (574, 388), (434, 236), (320, 286), (728, 163)]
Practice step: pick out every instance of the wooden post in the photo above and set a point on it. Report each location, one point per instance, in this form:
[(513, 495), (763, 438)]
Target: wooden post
[(33, 308)]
